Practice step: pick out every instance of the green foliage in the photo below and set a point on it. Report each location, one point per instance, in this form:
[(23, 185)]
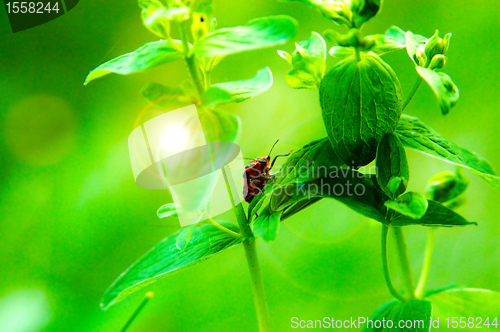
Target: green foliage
[(237, 91), (266, 225), (166, 257), (361, 101), (415, 134), (220, 126), (443, 87), (414, 310), (308, 63), (145, 57), (166, 96), (410, 204), (257, 34), (448, 188), (393, 173)]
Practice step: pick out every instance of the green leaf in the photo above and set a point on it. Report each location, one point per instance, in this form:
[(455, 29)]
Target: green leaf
[(436, 215), (391, 313), (167, 210), (166, 96), (203, 6), (417, 135), (364, 11), (410, 204), (338, 11), (165, 258), (415, 46), (312, 161), (393, 173), (445, 90), (308, 63), (259, 33), (153, 17), (185, 234), (266, 225), (238, 91), (220, 126), (341, 51), (466, 302), (145, 57), (361, 101), (394, 39)]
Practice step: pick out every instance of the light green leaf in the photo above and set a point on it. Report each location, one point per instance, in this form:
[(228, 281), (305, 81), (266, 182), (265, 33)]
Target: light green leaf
[(166, 257), (259, 33), (341, 51), (145, 57), (361, 101), (445, 90), (415, 134), (393, 40), (415, 46), (338, 11), (308, 63), (166, 96), (266, 225), (466, 302), (410, 204), (167, 210), (203, 6), (417, 311), (153, 17), (393, 173), (436, 215), (220, 126), (238, 91)]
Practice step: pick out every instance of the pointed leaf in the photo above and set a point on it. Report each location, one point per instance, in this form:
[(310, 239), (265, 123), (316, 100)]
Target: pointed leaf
[(238, 91), (258, 33), (415, 134), (266, 225), (436, 215), (443, 87), (165, 258), (145, 57)]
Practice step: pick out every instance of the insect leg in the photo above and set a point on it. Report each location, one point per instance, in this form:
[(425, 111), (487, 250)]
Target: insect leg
[(280, 155)]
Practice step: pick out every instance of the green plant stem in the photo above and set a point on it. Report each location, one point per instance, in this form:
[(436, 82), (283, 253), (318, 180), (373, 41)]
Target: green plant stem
[(137, 311), (404, 262), (394, 292), (426, 265), (259, 294), (190, 61), (225, 229), (412, 92)]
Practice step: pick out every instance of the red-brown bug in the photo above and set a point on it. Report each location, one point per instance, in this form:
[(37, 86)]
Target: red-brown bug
[(257, 174)]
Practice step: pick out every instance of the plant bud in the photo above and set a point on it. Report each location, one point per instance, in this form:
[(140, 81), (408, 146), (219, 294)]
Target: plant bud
[(437, 62), (436, 45), (447, 187)]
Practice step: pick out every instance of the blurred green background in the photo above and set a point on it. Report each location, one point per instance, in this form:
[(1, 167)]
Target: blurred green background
[(72, 218)]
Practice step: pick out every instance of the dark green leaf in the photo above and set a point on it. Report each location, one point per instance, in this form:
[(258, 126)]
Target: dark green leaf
[(266, 225), (167, 210), (445, 90), (411, 204), (166, 96), (145, 57), (417, 135), (365, 10), (257, 34), (165, 258), (220, 126), (393, 173), (238, 91), (390, 314), (436, 215), (466, 302), (361, 101), (312, 161)]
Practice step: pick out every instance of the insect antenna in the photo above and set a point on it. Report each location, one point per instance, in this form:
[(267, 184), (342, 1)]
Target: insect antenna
[(273, 147)]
